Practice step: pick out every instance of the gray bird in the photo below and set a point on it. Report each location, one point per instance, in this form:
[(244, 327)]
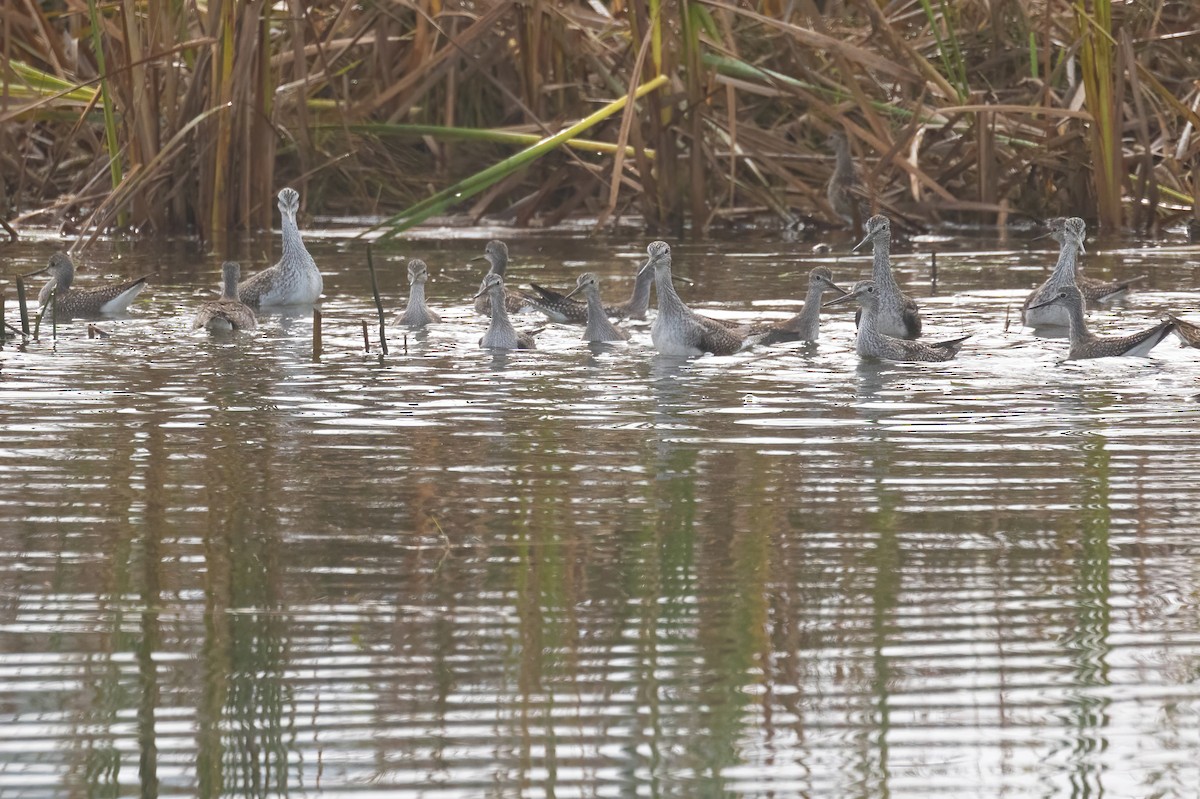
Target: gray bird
[(295, 279)]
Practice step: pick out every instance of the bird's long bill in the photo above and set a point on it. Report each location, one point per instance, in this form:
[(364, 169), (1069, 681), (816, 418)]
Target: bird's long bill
[(572, 292), (834, 287), (36, 272), (861, 244), (1080, 243), (681, 279), (845, 298), (649, 263), (481, 292)]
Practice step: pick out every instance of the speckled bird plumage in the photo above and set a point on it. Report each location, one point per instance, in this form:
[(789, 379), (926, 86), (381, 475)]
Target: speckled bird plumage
[(228, 313), (898, 315), (871, 342), (70, 301)]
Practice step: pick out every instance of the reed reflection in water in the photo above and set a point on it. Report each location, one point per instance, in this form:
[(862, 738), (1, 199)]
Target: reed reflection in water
[(226, 569)]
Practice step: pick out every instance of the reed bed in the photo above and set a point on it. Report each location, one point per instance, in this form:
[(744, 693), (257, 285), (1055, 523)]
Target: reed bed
[(159, 116)]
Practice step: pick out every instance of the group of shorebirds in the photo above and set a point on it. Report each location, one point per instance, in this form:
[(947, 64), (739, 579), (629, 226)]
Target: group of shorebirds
[(888, 320)]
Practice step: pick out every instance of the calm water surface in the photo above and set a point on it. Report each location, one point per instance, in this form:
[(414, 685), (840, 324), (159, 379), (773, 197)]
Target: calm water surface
[(229, 569)]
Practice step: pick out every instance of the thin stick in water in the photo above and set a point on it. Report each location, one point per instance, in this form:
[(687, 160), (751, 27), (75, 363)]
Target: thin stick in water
[(316, 334), (378, 304), (366, 338), (95, 331), (24, 309), (3, 335), (933, 271), (37, 322)]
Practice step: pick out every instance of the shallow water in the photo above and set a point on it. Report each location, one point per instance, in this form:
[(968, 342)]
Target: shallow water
[(226, 568)]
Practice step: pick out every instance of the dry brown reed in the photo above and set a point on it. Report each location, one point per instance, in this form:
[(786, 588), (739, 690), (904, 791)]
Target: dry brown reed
[(164, 116)]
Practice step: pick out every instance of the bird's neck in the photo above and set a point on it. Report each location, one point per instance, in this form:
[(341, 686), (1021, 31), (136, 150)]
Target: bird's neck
[(639, 300), (844, 169), (808, 320), (416, 294), (1064, 269), (868, 333), (881, 266), (1076, 325), (294, 252), (668, 300), (500, 319), (230, 290)]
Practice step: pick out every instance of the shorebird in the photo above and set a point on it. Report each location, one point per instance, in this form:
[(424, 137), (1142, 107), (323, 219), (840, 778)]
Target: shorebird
[(416, 314), (295, 280), (501, 335), (559, 308), (804, 326), (898, 315), (678, 330), (844, 190), (599, 328), (1034, 313), (228, 313), (870, 342), (496, 254), (1093, 290), (1186, 332), (1085, 345), (68, 301)]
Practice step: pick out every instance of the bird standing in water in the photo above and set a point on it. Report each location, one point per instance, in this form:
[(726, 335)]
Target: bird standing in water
[(295, 279), (501, 335), (1086, 345), (416, 314), (898, 314), (871, 342), (70, 301), (599, 328), (228, 313)]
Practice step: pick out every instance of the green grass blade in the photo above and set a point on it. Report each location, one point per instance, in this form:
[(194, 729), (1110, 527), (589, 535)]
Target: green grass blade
[(480, 181), (110, 120)]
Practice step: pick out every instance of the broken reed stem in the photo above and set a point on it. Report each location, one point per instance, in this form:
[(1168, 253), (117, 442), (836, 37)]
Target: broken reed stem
[(366, 338), (22, 307), (316, 334), (95, 331), (3, 335), (53, 315), (378, 304), (933, 271)]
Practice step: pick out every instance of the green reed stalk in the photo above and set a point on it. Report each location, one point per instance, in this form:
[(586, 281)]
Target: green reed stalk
[(110, 120), (480, 181), (1096, 60), (447, 133), (948, 49)]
